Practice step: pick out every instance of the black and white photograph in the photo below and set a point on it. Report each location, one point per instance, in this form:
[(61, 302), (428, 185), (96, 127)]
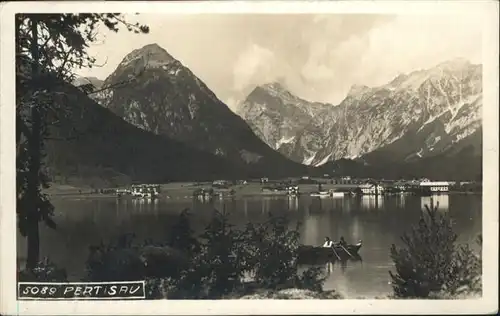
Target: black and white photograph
[(174, 158)]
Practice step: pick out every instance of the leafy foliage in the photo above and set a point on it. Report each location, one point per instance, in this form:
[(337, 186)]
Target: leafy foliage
[(431, 262), (311, 279), (182, 235), (45, 271), (275, 251), (114, 262), (221, 261), (63, 39), (49, 47), (216, 269)]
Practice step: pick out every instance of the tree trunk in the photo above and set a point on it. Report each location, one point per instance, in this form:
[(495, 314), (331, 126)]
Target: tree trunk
[(33, 179), (33, 239)]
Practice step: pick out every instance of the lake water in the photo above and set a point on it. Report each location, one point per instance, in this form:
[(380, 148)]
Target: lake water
[(379, 222)]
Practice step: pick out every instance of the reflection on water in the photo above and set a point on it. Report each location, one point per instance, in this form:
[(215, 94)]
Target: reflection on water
[(143, 205), (293, 203), (311, 230), (355, 230), (346, 205), (372, 202), (400, 200), (329, 267), (441, 201), (343, 266), (378, 221), (265, 205)]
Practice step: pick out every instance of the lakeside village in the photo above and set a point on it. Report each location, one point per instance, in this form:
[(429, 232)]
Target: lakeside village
[(315, 187)]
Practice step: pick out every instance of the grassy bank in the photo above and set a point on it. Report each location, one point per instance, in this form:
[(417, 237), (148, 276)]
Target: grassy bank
[(186, 189)]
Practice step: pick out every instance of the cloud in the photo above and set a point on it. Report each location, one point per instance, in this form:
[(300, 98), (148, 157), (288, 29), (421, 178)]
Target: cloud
[(252, 66), (414, 42), (300, 51), (318, 57)]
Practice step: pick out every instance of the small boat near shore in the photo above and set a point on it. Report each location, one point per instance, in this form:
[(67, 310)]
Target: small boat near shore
[(321, 194), (317, 254), (337, 194), (273, 192), (330, 193)]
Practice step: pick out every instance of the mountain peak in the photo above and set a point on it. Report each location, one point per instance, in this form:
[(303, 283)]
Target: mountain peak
[(416, 115), (274, 86), (454, 66), (79, 80), (152, 46), (398, 79), (152, 54), (414, 80), (456, 63), (357, 89)]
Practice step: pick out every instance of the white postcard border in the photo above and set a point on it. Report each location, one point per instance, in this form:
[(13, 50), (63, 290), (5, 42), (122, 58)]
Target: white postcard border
[(487, 11)]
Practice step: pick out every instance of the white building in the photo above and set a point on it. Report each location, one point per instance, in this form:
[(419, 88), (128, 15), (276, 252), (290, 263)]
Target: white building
[(292, 190), (220, 182), (143, 190), (371, 189), (435, 186), (401, 186)]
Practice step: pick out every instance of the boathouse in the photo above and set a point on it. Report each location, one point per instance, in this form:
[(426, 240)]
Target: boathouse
[(371, 189), (435, 186)]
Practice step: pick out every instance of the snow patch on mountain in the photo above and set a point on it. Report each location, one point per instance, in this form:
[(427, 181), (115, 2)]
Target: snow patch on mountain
[(322, 162), (308, 161), (149, 56), (284, 140), (166, 98), (447, 97)]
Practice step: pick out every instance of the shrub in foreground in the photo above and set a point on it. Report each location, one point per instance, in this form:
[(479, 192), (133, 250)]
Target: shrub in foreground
[(431, 262), (223, 261), (45, 271)]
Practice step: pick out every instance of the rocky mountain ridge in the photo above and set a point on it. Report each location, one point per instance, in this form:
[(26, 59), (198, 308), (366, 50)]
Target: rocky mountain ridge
[(164, 97), (89, 145), (94, 81), (416, 115)]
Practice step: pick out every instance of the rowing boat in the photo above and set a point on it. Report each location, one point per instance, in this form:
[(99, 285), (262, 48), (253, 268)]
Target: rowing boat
[(314, 254)]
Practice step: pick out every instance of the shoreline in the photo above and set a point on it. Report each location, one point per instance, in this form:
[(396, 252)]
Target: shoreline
[(188, 195), (186, 190)]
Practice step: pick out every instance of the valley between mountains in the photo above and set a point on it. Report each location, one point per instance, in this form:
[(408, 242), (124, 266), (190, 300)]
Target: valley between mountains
[(425, 123)]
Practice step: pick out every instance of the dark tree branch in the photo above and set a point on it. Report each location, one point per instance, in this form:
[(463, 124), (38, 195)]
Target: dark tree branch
[(124, 82), (48, 49)]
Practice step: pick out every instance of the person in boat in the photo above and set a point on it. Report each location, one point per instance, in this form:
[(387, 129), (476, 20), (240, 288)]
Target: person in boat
[(342, 241), (328, 243)]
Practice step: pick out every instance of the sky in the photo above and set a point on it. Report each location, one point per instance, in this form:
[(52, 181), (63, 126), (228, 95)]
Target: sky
[(317, 57)]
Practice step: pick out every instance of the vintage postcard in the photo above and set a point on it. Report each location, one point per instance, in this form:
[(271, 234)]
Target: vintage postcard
[(193, 157)]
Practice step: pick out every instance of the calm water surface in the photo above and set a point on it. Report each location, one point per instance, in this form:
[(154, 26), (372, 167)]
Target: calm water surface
[(379, 222)]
